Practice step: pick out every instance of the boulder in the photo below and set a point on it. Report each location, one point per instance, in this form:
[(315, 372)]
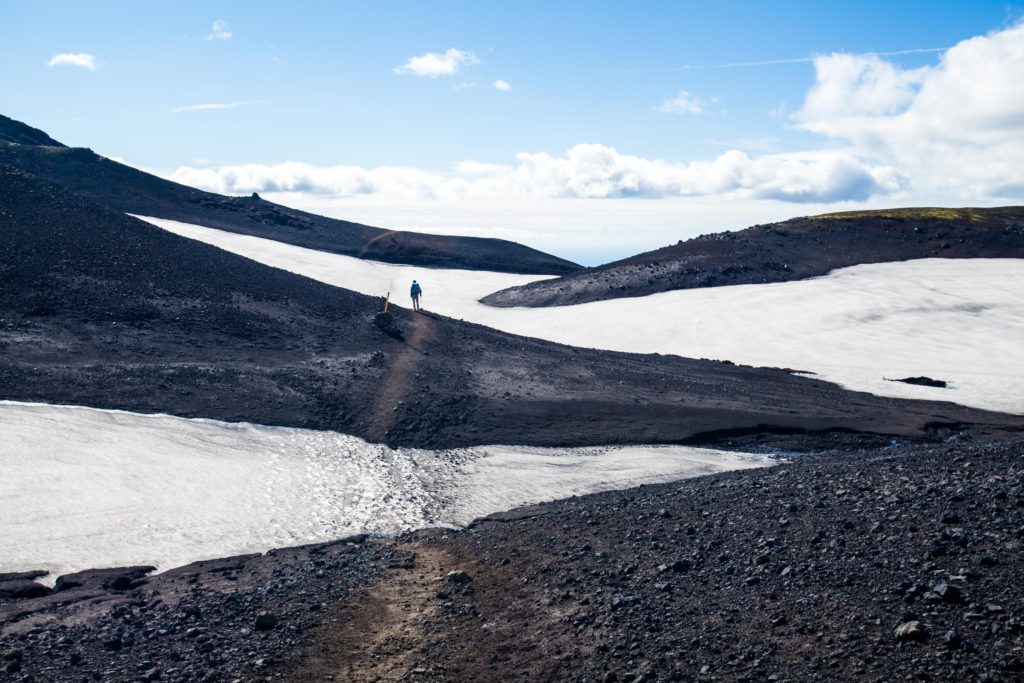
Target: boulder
[(265, 621), (948, 593), (911, 631), (458, 576), (22, 589)]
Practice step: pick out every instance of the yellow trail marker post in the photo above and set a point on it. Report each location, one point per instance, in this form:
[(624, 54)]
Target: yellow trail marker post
[(387, 300)]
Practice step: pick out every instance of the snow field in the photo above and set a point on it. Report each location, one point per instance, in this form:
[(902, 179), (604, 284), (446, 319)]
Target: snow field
[(85, 488), (959, 320)]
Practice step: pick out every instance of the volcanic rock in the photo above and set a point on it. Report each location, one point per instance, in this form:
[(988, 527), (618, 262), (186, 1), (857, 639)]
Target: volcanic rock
[(795, 249), (458, 576), (265, 621)]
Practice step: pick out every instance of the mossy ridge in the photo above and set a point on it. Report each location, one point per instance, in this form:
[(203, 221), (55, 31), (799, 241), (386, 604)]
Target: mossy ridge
[(972, 215)]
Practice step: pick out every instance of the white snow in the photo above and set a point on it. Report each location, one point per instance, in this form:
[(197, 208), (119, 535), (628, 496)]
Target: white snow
[(960, 320), (86, 488)]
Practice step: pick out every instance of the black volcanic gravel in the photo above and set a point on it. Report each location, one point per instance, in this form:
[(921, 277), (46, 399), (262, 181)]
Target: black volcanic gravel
[(100, 309), (22, 134), (209, 621), (805, 571), (799, 572), (791, 250), (901, 562), (136, 192)]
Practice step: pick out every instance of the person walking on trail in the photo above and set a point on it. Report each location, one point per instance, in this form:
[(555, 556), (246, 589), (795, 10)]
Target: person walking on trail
[(416, 292)]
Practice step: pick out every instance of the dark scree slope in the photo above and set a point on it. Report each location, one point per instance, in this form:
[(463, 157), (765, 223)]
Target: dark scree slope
[(791, 250), (100, 309), (133, 191)]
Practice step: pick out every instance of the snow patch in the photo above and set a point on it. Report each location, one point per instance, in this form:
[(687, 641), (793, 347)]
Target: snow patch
[(85, 488), (959, 320)]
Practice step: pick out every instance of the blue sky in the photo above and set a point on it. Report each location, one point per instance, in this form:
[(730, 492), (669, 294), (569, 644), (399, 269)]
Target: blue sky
[(316, 83)]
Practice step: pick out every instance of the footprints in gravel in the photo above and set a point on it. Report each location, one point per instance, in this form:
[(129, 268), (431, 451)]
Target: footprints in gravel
[(383, 629), (396, 380)]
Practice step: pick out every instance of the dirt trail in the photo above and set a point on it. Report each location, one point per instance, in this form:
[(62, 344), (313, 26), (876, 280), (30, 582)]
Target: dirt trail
[(395, 383), (415, 624), (384, 628), (365, 249)]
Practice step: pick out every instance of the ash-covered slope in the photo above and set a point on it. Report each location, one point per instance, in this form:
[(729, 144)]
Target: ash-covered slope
[(100, 309), (133, 191), (791, 250), (24, 134)]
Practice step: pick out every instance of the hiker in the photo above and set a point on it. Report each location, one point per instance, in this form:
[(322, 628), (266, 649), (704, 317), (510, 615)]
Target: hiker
[(416, 292)]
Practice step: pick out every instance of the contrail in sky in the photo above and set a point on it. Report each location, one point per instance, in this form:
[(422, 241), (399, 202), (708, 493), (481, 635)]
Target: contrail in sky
[(770, 62)]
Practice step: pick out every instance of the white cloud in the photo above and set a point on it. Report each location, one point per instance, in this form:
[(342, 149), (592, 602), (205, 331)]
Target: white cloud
[(956, 128), (344, 181), (465, 85), (81, 59), (683, 103), (220, 31), (597, 171), (501, 85), (434, 64), (952, 133), (585, 171)]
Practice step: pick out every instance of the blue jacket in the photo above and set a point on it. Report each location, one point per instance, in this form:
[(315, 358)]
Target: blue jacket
[(416, 289)]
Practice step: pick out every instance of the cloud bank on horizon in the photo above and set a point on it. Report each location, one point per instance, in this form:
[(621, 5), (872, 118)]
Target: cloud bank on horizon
[(590, 171), (953, 129)]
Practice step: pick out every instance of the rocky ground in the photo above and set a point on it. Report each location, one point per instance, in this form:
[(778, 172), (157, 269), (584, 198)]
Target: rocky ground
[(211, 621), (882, 558), (898, 563), (103, 310), (791, 250)]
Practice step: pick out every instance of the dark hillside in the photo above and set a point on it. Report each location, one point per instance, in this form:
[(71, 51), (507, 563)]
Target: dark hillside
[(100, 309), (133, 191), (796, 249), (22, 134)]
